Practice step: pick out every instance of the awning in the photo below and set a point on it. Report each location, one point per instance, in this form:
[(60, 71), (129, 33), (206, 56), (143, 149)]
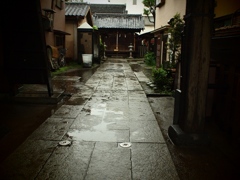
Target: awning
[(161, 29), (85, 27), (61, 32)]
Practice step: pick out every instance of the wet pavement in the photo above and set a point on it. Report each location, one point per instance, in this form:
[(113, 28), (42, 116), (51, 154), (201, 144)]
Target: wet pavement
[(108, 125), (104, 129)]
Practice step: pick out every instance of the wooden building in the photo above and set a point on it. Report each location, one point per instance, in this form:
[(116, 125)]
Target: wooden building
[(117, 31), (76, 14)]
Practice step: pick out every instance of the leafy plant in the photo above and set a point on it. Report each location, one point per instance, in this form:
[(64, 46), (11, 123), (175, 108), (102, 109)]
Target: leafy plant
[(101, 48), (162, 79), (176, 27), (150, 9), (150, 58), (95, 27), (72, 65)]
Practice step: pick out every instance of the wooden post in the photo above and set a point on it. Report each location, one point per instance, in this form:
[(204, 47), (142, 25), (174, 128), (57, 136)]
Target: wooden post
[(195, 66), (116, 42), (198, 31)]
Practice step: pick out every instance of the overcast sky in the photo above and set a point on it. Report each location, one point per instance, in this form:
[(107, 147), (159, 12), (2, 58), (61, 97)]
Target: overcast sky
[(105, 1)]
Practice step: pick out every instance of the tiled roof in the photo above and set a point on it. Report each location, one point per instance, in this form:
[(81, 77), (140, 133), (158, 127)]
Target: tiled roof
[(118, 21), (108, 8), (76, 9)]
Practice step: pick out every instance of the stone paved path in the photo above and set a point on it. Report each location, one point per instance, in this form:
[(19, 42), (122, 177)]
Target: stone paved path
[(116, 110)]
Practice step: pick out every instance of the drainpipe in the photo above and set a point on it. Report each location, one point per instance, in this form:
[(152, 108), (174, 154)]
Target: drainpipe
[(117, 42)]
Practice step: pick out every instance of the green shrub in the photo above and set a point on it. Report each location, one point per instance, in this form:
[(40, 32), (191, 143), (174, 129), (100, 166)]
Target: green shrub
[(101, 48), (150, 59), (162, 79)]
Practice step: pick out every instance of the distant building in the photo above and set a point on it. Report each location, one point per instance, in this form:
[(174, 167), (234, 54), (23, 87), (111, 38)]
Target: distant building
[(132, 7)]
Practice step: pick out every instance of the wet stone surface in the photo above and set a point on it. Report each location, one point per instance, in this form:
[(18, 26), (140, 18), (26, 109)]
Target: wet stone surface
[(145, 131), (109, 162), (70, 162), (163, 108), (27, 161), (152, 161), (68, 111), (109, 108), (52, 129)]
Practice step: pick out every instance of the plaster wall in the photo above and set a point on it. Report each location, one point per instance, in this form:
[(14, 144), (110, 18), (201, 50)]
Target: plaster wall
[(130, 7), (86, 41), (71, 40), (71, 28), (59, 19), (224, 8), (168, 10)]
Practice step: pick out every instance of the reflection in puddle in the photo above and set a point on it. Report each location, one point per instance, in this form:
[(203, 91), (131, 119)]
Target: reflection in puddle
[(99, 130), (96, 112), (102, 131), (99, 133)]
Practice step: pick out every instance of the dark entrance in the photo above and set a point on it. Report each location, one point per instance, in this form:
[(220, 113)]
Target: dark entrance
[(24, 46)]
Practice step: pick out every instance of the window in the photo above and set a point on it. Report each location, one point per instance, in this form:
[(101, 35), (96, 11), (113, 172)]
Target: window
[(48, 19), (59, 40), (134, 2), (59, 4)]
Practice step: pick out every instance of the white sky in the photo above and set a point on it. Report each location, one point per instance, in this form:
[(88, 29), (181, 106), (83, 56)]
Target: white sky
[(106, 1)]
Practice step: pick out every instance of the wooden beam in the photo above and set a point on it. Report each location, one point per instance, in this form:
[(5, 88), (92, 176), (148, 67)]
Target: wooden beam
[(196, 60)]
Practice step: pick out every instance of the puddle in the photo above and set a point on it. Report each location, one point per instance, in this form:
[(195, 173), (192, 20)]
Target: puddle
[(136, 67), (76, 101), (139, 68), (114, 70), (95, 135), (117, 60), (99, 132), (85, 74), (16, 117), (96, 112)]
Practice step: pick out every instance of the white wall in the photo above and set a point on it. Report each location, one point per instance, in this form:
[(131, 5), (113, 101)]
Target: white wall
[(168, 10), (132, 9)]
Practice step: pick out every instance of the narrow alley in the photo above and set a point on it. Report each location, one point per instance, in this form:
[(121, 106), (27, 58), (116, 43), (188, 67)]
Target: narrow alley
[(106, 130)]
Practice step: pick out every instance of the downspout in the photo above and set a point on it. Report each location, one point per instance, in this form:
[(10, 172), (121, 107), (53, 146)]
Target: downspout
[(117, 42), (52, 4), (75, 40)]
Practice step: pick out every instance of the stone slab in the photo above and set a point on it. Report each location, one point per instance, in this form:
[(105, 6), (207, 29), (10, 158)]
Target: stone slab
[(109, 162), (152, 161), (68, 162), (27, 160)]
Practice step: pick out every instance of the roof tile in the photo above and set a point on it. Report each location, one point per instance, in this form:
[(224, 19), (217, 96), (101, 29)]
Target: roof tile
[(76, 9), (120, 21), (108, 8)]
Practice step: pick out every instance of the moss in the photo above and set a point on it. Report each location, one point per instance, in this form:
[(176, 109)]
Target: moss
[(72, 65)]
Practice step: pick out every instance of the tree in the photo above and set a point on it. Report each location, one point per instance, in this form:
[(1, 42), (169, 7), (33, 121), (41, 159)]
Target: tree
[(176, 28), (149, 10)]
